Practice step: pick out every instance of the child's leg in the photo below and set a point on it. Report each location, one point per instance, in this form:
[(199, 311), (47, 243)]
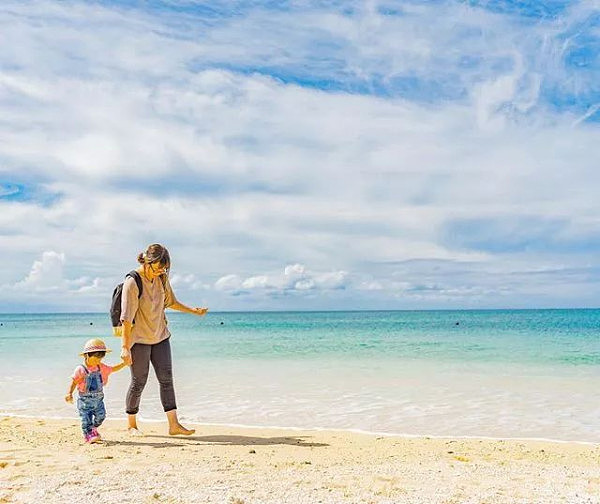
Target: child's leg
[(85, 412), (99, 413)]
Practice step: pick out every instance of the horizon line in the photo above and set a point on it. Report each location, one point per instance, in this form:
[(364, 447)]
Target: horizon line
[(325, 311)]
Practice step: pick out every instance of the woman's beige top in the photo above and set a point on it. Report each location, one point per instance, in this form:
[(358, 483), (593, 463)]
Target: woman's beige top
[(148, 312)]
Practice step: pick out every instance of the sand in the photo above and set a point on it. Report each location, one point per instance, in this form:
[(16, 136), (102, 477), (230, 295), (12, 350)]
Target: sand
[(46, 460)]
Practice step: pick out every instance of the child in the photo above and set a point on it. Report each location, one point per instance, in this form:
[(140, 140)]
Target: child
[(90, 379)]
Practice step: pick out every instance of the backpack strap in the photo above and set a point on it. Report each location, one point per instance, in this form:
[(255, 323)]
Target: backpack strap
[(138, 280), (87, 372), (100, 372)]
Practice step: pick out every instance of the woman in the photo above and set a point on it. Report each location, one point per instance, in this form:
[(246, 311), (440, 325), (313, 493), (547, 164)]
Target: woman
[(146, 336)]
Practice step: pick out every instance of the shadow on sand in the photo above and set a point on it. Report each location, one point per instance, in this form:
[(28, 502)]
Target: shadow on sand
[(142, 443), (245, 440)]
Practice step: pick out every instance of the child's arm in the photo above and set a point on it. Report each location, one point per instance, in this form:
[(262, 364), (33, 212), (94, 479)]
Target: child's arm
[(119, 366), (69, 396)]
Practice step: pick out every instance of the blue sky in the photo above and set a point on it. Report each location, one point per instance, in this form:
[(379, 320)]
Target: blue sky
[(302, 154)]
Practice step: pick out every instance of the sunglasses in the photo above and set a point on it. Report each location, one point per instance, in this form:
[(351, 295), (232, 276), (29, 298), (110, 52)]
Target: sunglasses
[(158, 271)]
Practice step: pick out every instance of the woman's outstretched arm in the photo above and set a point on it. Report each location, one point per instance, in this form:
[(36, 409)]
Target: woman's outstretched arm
[(186, 309)]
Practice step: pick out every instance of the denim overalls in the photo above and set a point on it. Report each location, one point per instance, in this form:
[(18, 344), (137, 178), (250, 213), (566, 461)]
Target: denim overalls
[(91, 402)]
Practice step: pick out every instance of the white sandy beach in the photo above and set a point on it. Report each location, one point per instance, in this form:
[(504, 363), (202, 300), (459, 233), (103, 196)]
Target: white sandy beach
[(45, 460)]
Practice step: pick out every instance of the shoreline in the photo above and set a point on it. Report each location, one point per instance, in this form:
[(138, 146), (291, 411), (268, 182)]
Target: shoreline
[(317, 429), (224, 464)]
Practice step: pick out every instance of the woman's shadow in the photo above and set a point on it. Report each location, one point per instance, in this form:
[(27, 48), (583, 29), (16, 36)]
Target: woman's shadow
[(226, 440), (233, 440)]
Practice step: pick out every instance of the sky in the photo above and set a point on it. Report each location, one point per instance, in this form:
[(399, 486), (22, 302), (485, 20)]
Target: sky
[(302, 155)]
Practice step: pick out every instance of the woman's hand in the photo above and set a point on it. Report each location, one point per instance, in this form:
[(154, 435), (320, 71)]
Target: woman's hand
[(69, 398), (186, 309), (126, 355)]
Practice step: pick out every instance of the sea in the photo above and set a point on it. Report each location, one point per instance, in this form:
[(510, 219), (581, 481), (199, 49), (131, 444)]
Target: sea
[(525, 374)]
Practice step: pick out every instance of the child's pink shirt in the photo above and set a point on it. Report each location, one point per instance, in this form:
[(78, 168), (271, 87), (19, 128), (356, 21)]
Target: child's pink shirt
[(79, 375)]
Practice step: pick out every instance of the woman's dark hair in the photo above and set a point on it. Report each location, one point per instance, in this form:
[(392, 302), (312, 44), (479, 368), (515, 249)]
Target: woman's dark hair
[(155, 253), (96, 354)]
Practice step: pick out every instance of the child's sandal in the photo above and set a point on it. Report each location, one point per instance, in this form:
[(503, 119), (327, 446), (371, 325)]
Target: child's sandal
[(94, 437)]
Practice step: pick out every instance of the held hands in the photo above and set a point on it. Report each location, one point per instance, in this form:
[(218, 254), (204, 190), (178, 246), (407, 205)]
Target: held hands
[(126, 356), (199, 311), (69, 398)]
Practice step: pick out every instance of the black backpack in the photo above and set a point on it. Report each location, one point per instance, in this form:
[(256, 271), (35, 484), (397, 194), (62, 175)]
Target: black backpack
[(115, 305)]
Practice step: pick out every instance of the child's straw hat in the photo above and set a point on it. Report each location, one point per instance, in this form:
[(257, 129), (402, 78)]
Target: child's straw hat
[(94, 345)]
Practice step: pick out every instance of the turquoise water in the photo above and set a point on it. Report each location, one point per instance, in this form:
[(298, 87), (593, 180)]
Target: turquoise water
[(505, 373), (536, 337)]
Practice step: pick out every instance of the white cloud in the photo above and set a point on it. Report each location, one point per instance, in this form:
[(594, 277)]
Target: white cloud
[(294, 277), (95, 286), (370, 285), (304, 285), (228, 283), (189, 281), (294, 270), (332, 280), (141, 129), (257, 282), (45, 274), (47, 277)]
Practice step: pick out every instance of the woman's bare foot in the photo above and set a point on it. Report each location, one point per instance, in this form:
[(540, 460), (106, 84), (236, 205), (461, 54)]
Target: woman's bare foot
[(132, 422), (178, 429), (175, 428)]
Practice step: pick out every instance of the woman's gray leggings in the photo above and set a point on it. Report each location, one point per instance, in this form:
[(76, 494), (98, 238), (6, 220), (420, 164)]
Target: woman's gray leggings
[(160, 356)]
